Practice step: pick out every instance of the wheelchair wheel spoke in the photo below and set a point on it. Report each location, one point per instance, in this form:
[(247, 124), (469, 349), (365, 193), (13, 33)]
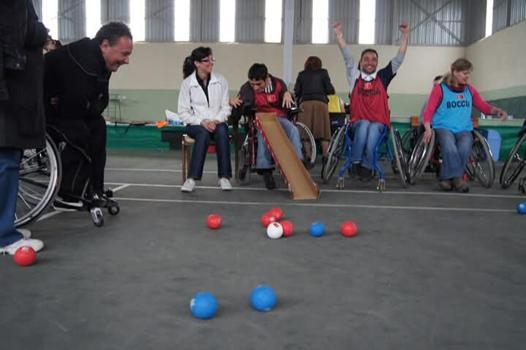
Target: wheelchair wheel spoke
[(38, 183)]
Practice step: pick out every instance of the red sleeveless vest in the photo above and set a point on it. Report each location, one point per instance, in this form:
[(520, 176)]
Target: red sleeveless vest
[(369, 102)]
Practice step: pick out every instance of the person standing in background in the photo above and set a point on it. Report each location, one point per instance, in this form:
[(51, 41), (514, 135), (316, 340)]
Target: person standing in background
[(22, 38), (311, 89)]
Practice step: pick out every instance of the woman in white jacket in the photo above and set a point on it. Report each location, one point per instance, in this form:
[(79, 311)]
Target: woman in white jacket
[(203, 106)]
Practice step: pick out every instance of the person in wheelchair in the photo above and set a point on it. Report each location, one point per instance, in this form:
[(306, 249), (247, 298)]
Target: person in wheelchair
[(203, 105), (448, 111), (75, 95), (267, 94), (368, 96)]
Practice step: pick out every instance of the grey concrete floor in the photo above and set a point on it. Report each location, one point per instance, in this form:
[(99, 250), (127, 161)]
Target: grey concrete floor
[(428, 270)]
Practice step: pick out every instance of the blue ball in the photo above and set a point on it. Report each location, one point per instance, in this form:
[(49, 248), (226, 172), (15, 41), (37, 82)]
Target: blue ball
[(317, 229), (263, 298), (203, 305), (521, 208)]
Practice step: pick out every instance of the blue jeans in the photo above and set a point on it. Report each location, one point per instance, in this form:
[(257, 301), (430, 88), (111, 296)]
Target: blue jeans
[(264, 158), (9, 167), (202, 139), (455, 150), (366, 135)]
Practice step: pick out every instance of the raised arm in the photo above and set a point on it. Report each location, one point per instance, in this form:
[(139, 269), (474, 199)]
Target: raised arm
[(351, 70), (337, 27), (396, 62)]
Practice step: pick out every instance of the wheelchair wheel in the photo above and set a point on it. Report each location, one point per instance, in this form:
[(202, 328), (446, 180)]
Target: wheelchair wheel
[(514, 164), (399, 156), (408, 141), (243, 175), (39, 181), (114, 209), (334, 154), (419, 158), (480, 164), (307, 137)]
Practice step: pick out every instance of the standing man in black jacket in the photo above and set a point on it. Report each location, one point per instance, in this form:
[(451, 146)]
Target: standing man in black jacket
[(75, 95), (21, 111)]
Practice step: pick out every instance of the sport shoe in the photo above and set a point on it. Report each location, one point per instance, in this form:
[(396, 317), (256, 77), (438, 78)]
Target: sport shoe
[(36, 244), (188, 185), (270, 184), (24, 232), (460, 185), (445, 185), (225, 185), (67, 204)]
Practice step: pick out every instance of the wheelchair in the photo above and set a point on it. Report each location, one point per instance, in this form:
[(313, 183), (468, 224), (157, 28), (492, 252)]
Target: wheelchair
[(40, 179), (480, 165), (515, 163), (340, 150), (246, 151)]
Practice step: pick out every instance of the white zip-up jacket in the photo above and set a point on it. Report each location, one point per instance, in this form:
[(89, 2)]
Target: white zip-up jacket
[(193, 106)]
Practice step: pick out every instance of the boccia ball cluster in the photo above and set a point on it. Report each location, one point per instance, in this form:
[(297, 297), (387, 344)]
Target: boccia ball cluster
[(204, 305), (276, 228)]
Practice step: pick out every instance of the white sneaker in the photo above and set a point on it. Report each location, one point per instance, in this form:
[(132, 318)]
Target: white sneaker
[(188, 185), (36, 244), (225, 184), (24, 232)]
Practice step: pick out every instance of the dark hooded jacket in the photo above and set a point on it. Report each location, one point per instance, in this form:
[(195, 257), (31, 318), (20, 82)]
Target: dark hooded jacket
[(75, 83)]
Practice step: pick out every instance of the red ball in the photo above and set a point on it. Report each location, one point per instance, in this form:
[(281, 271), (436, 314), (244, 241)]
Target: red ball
[(349, 229), (267, 219), (25, 256), (276, 212), (214, 221), (288, 228)]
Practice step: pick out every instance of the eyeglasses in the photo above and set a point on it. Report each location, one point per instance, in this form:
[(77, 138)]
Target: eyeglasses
[(208, 60)]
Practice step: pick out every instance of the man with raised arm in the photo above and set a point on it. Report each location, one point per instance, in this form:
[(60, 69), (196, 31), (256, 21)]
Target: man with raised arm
[(370, 114)]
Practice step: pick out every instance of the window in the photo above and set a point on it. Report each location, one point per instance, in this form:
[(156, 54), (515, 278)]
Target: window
[(489, 17), (92, 17), (273, 11), (137, 19), (320, 21), (227, 20), (367, 21), (50, 16), (181, 20)]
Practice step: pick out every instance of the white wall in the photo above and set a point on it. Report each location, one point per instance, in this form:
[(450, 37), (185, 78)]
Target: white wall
[(158, 66), (500, 60)]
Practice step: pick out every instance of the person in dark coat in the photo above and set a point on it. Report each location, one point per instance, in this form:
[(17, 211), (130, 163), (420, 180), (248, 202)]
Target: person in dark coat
[(75, 95), (22, 37), (311, 89)]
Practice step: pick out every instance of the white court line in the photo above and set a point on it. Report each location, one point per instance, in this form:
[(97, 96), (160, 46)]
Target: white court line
[(121, 187), (415, 193), (148, 170), (317, 205), (48, 215)]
